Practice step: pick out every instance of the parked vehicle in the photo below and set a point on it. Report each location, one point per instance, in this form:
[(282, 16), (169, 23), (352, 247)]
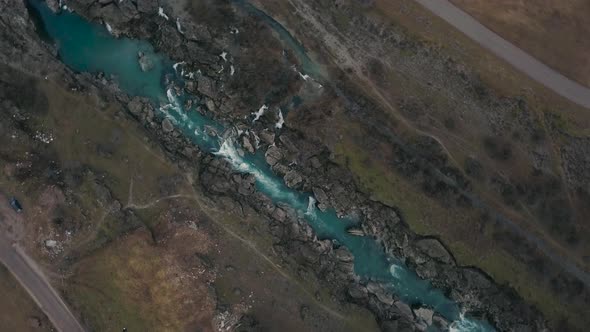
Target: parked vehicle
[(16, 205)]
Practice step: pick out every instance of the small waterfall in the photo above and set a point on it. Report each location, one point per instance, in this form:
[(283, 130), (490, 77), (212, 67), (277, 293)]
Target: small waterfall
[(395, 271), (464, 324), (161, 13), (281, 121), (260, 112), (310, 207), (175, 105)]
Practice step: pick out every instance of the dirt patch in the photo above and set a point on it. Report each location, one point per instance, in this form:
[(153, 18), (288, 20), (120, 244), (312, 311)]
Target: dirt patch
[(136, 284)]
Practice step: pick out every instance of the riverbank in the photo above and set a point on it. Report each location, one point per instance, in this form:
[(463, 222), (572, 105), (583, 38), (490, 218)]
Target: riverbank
[(292, 175), (305, 159)]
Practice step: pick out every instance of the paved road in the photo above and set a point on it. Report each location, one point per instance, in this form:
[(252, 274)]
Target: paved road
[(30, 276), (38, 287), (538, 71)]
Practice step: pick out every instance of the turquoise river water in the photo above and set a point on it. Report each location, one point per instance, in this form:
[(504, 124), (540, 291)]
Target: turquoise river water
[(88, 47)]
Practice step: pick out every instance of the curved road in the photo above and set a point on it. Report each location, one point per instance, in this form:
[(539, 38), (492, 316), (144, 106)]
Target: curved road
[(522, 61)]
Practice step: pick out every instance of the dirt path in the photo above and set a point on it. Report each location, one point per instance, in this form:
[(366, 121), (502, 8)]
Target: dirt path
[(194, 197), (522, 61), (30, 276)]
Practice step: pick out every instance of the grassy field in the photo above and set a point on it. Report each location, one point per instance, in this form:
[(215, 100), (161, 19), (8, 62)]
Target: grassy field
[(462, 128), (553, 31), (157, 267), (134, 284), (459, 228)]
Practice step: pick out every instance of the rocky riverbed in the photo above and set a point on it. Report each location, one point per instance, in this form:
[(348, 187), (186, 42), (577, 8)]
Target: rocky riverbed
[(242, 66)]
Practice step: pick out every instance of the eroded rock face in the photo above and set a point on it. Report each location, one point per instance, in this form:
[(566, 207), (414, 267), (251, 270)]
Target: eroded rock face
[(293, 179), (273, 155), (206, 86), (434, 249), (167, 125)]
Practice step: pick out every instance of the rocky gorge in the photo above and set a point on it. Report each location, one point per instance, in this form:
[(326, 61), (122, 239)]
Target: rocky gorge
[(242, 66)]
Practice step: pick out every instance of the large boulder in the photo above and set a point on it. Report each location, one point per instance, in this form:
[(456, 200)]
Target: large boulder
[(321, 195), (206, 86), (167, 125), (145, 61), (293, 178), (247, 145), (267, 136), (424, 315), (279, 215), (135, 106), (273, 155)]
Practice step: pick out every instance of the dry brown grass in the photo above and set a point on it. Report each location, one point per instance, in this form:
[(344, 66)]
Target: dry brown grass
[(554, 31)]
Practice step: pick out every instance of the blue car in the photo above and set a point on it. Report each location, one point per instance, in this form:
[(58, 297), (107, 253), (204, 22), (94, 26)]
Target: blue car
[(16, 205)]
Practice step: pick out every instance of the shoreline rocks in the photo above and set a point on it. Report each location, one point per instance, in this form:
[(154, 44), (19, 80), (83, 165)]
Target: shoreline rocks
[(333, 187)]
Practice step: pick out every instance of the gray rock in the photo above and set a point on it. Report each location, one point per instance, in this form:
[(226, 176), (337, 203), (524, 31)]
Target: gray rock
[(128, 9), (315, 162), (404, 309), (53, 5), (292, 178), (321, 195), (288, 143), (112, 14), (440, 322), (211, 131), (379, 292), (426, 270), (273, 155), (167, 125), (357, 292), (343, 255), (434, 249), (267, 136), (247, 144), (135, 106), (424, 315), (210, 105), (279, 215), (145, 62), (50, 244), (196, 31), (476, 279), (206, 86), (245, 188), (147, 6), (280, 169)]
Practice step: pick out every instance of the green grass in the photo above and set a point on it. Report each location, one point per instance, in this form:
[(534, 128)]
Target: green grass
[(426, 216)]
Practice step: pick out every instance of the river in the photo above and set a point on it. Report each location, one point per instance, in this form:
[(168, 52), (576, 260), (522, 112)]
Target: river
[(89, 47)]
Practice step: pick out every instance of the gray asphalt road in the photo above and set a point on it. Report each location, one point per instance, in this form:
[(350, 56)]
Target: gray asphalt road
[(38, 287), (29, 275), (538, 71)]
